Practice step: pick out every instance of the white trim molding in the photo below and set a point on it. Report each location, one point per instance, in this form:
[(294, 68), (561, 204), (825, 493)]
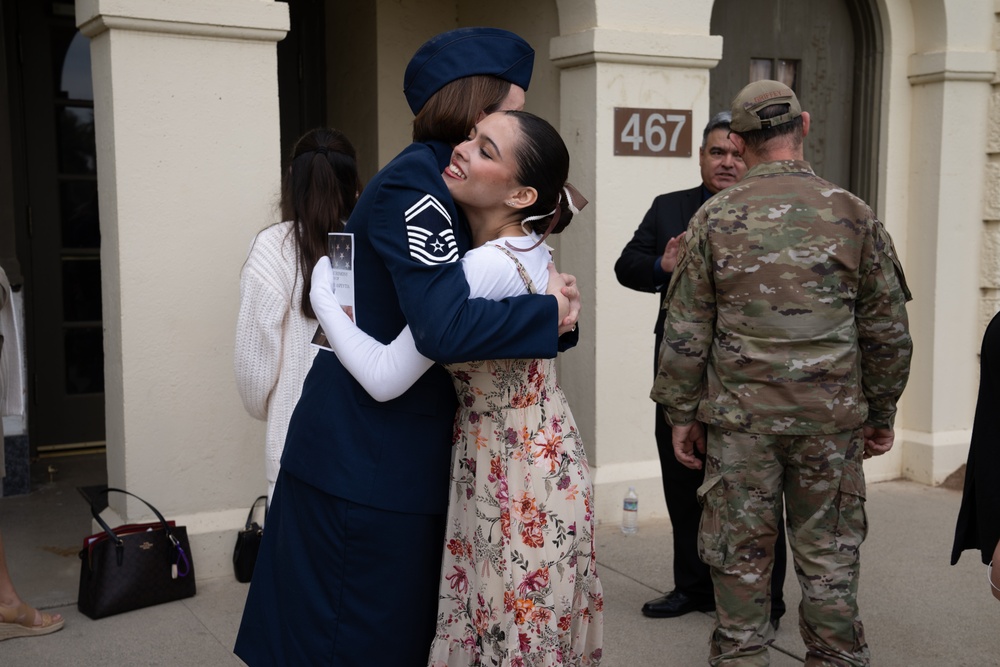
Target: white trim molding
[(256, 21), (941, 66), (600, 45)]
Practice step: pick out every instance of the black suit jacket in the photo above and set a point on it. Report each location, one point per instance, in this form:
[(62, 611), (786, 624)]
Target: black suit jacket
[(667, 217), (978, 524)]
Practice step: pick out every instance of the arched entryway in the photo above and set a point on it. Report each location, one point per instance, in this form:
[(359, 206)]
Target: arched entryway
[(830, 53)]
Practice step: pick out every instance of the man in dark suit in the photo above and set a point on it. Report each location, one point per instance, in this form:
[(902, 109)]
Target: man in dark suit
[(979, 516), (646, 264)]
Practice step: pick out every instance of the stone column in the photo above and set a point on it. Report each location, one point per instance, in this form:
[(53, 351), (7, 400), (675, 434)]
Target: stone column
[(188, 153), (609, 59), (990, 276), (950, 99)]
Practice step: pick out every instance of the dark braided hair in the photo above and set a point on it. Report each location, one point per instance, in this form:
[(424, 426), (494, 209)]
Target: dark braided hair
[(543, 164), (318, 192)]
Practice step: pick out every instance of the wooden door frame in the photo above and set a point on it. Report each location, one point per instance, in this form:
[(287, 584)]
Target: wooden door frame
[(863, 150), (302, 72), (33, 153), (869, 51)]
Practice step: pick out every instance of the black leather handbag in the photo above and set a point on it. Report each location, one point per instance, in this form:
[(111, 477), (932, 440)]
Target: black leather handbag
[(248, 544), (135, 565)]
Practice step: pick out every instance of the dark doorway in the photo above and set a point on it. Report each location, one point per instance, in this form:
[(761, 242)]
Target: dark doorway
[(302, 72), (56, 222), (830, 53)]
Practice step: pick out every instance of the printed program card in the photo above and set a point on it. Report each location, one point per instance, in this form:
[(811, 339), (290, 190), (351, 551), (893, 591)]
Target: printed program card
[(340, 247)]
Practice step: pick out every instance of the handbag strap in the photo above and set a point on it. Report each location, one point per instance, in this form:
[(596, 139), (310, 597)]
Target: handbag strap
[(252, 508), (119, 543)]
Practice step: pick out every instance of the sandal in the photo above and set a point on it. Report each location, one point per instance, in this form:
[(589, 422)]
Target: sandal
[(21, 621)]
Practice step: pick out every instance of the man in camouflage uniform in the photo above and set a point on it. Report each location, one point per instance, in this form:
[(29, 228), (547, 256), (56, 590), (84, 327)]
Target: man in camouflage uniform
[(785, 349), (646, 264)]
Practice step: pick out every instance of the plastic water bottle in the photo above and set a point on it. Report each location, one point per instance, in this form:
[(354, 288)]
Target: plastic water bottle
[(630, 512)]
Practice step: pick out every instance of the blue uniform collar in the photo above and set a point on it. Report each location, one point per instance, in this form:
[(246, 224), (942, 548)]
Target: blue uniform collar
[(442, 152)]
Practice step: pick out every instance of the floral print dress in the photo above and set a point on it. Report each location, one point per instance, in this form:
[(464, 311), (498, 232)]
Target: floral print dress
[(519, 582)]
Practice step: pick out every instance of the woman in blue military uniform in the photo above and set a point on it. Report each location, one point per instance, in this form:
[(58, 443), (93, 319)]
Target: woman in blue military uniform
[(349, 565), (519, 581)]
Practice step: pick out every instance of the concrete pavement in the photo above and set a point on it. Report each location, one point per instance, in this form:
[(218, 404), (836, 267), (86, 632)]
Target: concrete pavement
[(918, 610)]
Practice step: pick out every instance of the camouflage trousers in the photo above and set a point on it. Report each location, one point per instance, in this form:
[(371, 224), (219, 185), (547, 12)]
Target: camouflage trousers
[(821, 480)]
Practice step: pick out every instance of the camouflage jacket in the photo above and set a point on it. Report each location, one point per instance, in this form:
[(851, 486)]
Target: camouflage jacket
[(786, 312)]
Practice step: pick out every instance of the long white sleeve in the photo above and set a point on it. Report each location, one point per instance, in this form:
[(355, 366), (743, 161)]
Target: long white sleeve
[(259, 333), (385, 371), (272, 353)]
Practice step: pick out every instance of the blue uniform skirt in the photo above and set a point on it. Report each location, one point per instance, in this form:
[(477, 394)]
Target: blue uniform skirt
[(338, 583)]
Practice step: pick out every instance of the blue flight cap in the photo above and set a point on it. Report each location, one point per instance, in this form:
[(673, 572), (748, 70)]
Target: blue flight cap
[(466, 52)]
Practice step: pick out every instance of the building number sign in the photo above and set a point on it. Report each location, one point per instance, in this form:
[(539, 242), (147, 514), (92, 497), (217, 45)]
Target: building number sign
[(653, 132)]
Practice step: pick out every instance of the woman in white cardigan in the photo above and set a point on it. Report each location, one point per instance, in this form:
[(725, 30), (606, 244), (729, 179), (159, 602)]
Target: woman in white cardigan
[(276, 324)]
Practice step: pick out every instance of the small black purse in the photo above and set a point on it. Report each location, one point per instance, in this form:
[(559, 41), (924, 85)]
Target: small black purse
[(134, 565), (248, 544)]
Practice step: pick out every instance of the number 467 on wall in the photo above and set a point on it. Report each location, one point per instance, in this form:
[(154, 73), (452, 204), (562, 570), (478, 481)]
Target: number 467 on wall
[(653, 132)]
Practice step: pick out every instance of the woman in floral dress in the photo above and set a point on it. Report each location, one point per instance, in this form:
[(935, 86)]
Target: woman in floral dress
[(519, 584)]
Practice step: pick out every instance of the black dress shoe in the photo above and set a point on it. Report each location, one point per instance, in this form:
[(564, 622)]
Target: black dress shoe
[(675, 603)]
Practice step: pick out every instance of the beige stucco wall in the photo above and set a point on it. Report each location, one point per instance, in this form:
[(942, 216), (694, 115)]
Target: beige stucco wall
[(620, 63), (187, 131)]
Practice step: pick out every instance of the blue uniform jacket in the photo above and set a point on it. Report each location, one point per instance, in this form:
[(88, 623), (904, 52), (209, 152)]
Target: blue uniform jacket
[(407, 239)]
